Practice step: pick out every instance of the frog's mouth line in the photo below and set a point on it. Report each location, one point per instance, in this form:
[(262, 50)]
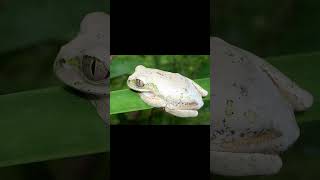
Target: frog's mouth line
[(136, 91)]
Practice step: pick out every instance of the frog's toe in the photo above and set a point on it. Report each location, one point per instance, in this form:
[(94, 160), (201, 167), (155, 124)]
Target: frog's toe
[(302, 100), (182, 113), (244, 164)]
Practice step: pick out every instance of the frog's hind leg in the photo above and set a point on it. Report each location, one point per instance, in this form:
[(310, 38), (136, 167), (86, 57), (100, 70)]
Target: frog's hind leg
[(299, 98), (244, 164), (182, 113), (152, 100), (202, 91)]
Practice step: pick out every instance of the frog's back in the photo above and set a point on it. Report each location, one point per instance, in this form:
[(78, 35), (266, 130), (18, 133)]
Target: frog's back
[(180, 92)]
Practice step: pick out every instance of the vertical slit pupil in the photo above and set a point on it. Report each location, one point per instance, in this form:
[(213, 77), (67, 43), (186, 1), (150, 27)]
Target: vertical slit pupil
[(93, 67)]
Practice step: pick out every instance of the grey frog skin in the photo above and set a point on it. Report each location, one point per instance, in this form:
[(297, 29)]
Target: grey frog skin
[(83, 62), (253, 112)]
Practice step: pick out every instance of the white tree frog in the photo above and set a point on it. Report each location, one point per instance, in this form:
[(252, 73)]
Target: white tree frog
[(83, 62), (177, 94), (253, 112)]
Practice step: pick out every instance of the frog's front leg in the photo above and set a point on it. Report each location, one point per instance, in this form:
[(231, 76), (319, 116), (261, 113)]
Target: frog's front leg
[(182, 113), (101, 104), (152, 100), (244, 164)]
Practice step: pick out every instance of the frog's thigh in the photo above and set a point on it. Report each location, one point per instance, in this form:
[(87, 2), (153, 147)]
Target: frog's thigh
[(152, 100), (202, 91), (244, 164), (182, 113), (299, 98)]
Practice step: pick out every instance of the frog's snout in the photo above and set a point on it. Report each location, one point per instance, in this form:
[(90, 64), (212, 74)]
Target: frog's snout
[(130, 79), (129, 83)]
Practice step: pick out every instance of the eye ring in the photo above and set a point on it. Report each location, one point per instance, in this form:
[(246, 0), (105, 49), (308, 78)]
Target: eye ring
[(139, 83)]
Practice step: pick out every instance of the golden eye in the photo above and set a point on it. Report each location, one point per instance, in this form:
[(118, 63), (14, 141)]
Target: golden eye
[(139, 83), (94, 69)]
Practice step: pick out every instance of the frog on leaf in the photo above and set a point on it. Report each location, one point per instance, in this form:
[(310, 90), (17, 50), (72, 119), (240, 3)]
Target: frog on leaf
[(177, 94)]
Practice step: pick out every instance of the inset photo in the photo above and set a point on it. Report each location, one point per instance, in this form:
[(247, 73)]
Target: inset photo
[(160, 90)]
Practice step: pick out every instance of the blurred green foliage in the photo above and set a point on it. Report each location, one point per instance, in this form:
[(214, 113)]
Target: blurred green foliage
[(31, 34), (25, 23), (192, 66), (268, 28)]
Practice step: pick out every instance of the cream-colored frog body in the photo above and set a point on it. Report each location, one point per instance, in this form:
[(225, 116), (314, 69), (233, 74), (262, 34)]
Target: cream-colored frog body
[(253, 112), (179, 95)]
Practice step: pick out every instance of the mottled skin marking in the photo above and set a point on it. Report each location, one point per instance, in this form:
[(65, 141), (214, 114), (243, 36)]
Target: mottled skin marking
[(250, 116), (229, 108)]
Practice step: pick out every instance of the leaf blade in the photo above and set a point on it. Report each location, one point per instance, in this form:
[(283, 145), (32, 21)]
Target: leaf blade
[(48, 124), (125, 100)]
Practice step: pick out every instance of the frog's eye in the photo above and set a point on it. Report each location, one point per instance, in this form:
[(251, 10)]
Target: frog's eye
[(94, 69), (139, 83)]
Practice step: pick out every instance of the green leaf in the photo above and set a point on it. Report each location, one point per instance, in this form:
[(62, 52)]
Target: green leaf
[(48, 124), (125, 100)]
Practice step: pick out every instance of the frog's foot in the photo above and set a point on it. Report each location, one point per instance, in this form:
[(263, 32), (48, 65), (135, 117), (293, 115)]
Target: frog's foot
[(202, 91), (244, 164), (182, 113), (152, 100)]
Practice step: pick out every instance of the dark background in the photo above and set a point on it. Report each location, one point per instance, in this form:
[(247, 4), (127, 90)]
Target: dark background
[(163, 27)]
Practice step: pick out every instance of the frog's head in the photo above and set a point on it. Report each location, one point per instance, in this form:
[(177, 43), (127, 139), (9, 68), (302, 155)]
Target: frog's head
[(141, 80), (83, 62), (87, 72)]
